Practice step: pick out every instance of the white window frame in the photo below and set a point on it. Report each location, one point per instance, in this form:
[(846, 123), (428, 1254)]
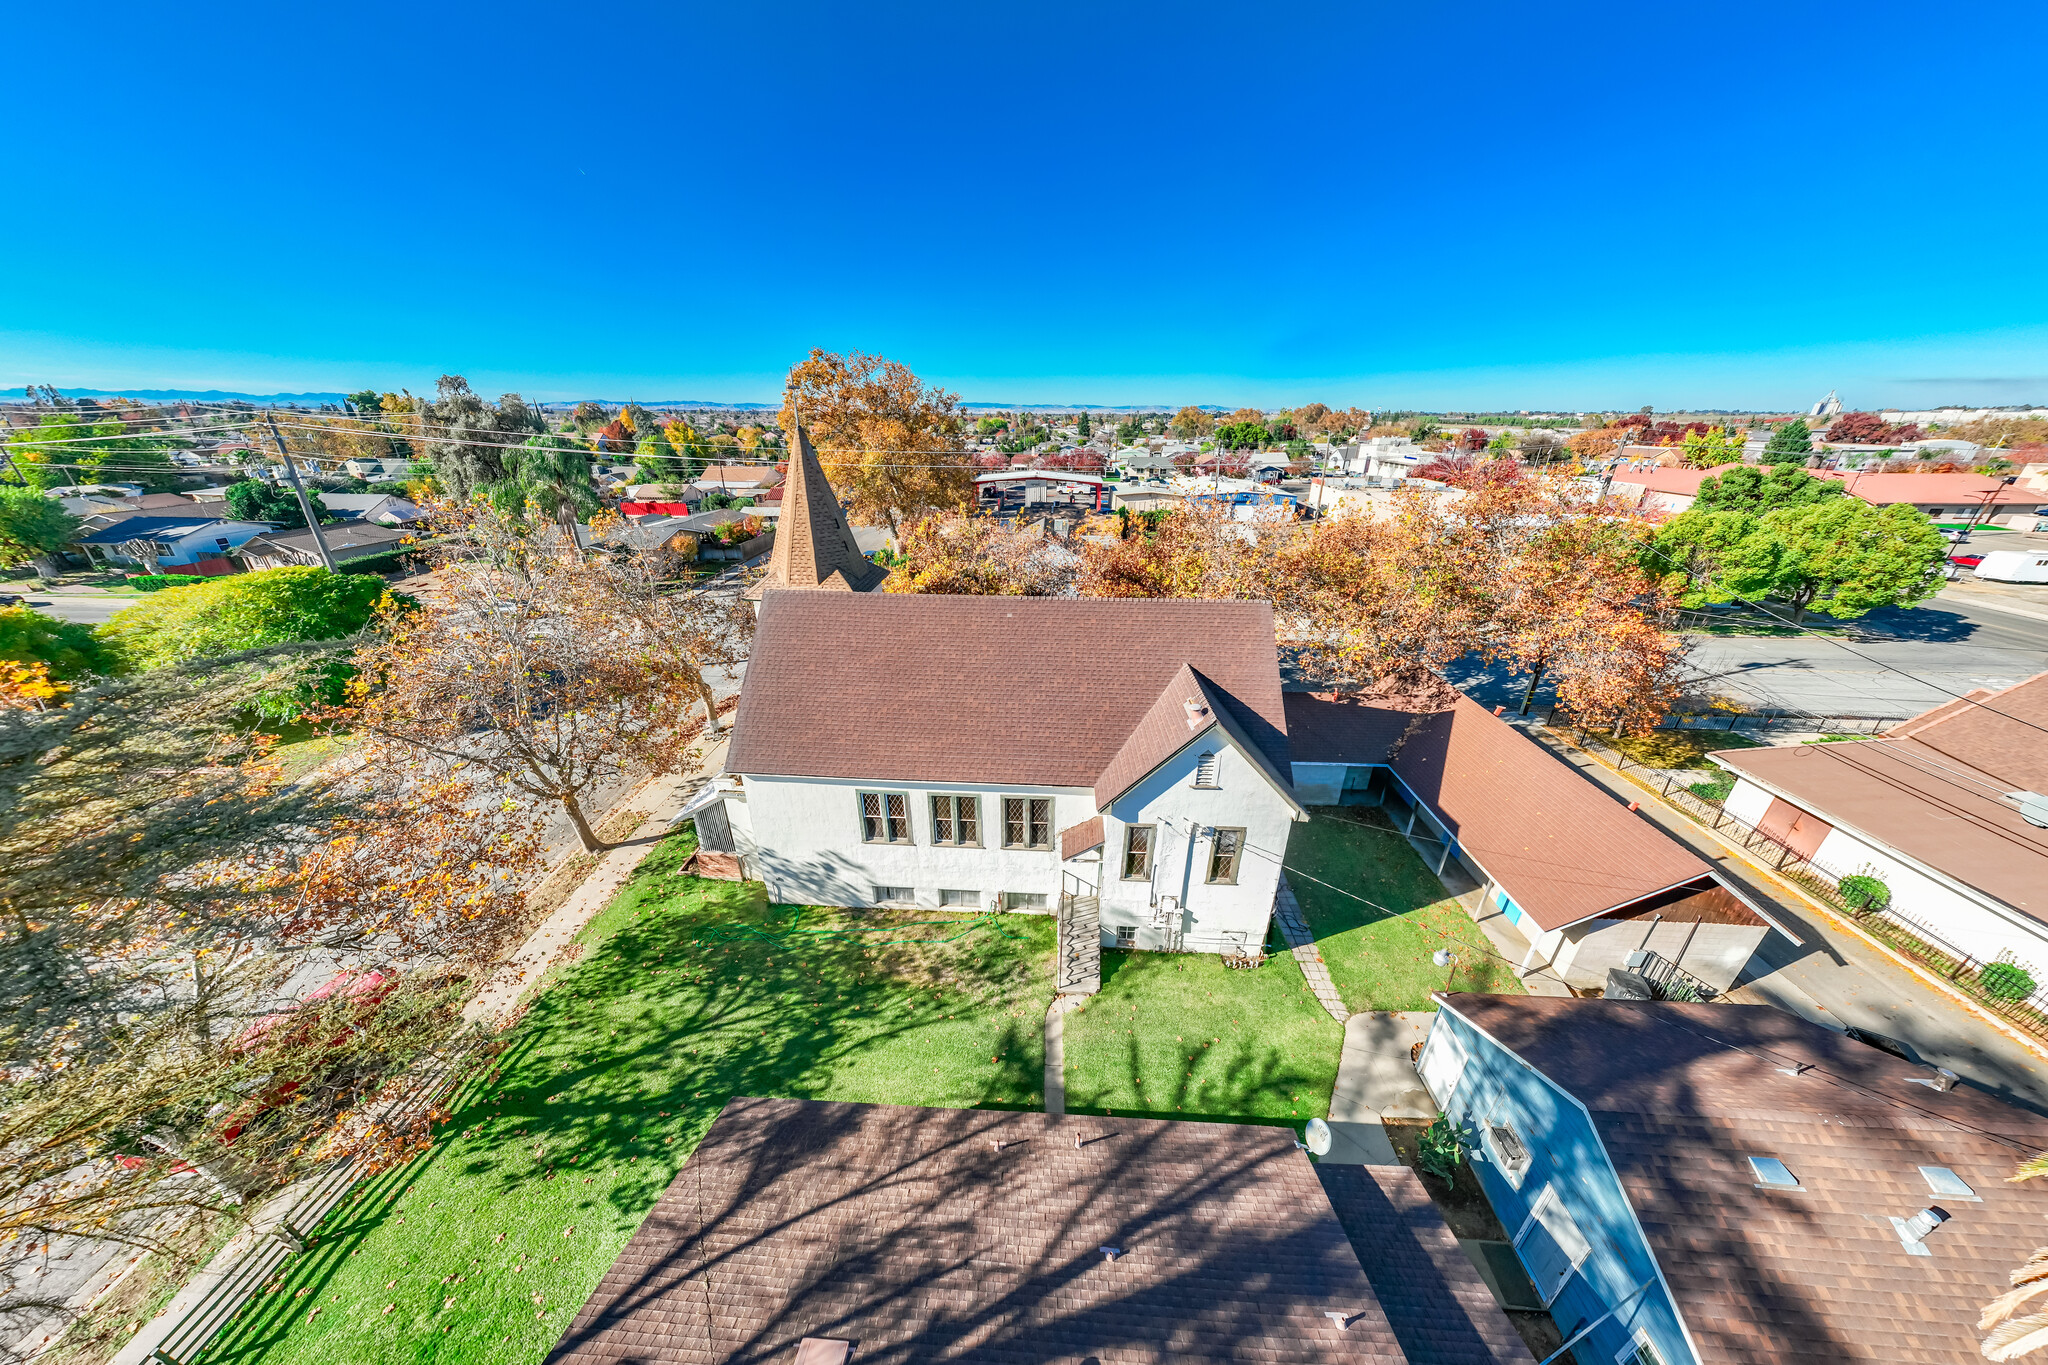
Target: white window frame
[(908, 898), (1639, 1351), (1126, 935), (1546, 1202), (973, 901), (1442, 1043)]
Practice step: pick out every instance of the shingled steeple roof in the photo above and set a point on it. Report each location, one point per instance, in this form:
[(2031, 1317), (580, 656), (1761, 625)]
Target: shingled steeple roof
[(814, 547)]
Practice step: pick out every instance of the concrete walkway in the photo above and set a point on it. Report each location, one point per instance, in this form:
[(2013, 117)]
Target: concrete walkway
[(1509, 943), (1376, 1081), (1056, 1051), (1294, 928)]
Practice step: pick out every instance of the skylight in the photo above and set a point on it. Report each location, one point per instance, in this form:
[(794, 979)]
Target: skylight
[(1942, 1180), (1772, 1172)]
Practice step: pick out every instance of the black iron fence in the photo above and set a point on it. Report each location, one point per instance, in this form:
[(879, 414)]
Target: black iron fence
[(1758, 722), (1995, 985)]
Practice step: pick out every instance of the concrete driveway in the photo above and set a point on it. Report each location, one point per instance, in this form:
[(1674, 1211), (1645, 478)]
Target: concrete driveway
[(91, 608)]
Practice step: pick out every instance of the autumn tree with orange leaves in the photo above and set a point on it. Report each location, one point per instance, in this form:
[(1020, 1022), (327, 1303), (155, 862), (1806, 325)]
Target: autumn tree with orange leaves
[(891, 445), (554, 669)]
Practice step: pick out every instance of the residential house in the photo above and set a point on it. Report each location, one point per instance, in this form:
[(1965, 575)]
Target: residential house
[(740, 480), (384, 509), (376, 471), (1586, 882), (997, 752), (702, 527), (1379, 457), (346, 540), (197, 544), (803, 1231), (1946, 810), (1730, 1184), (1660, 488), (814, 546)]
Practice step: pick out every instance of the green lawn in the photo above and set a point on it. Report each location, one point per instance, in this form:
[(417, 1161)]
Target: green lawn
[(689, 992), (1176, 1035), (1379, 953), (1679, 748)]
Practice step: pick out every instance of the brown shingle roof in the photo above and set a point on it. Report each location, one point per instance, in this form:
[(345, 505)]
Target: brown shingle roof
[(905, 1231), (1032, 691), (1328, 727), (1560, 846), (1926, 804), (1682, 1095), (814, 546), (1190, 708), (1441, 1311), (1079, 838), (1993, 732)]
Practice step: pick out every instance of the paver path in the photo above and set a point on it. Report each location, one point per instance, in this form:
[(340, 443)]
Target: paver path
[(1056, 1052), (1294, 928)]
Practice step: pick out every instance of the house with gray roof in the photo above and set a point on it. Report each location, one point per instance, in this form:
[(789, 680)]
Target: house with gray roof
[(168, 544)]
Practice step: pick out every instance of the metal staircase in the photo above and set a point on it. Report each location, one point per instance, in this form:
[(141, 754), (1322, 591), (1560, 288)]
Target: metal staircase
[(1079, 970)]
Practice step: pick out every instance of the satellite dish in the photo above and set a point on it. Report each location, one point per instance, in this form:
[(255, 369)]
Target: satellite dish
[(2033, 807), (1317, 1137), (1441, 957)]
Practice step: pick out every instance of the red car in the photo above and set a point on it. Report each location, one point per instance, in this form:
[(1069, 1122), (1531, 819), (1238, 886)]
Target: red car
[(1966, 561)]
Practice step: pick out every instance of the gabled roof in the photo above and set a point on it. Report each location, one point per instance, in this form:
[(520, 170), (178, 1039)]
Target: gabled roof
[(360, 537), (153, 528), (1682, 1095), (1037, 691), (931, 1235), (814, 547), (1999, 732), (1191, 709)]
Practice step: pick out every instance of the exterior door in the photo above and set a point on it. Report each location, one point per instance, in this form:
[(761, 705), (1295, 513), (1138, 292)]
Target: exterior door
[(1550, 1245), (1443, 1064)]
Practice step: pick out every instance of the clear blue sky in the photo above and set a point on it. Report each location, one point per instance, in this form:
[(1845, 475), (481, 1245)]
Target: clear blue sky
[(1714, 204)]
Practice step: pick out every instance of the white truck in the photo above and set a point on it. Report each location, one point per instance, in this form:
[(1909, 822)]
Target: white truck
[(2014, 566)]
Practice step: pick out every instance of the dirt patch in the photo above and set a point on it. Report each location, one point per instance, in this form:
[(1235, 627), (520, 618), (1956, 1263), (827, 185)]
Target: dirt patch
[(562, 881), (1462, 1204)]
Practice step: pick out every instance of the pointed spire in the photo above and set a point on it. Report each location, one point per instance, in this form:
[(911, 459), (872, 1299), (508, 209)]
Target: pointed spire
[(814, 546)]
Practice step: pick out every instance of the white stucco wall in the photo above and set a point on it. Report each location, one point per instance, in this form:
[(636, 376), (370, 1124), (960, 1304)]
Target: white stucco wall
[(1168, 801), (1747, 802), (805, 838), (1968, 920)]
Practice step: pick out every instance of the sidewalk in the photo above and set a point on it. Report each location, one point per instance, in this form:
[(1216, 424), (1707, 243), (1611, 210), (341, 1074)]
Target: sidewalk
[(1838, 978), (1376, 1081)]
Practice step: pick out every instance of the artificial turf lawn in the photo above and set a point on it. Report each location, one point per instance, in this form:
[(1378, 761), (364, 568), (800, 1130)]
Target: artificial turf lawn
[(678, 1004), (1179, 1035), (1379, 948)]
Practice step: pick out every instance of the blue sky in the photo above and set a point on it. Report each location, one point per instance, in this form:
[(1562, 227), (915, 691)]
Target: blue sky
[(1684, 204)]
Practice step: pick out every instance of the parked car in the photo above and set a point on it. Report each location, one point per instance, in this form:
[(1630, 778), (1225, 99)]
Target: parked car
[(1966, 561)]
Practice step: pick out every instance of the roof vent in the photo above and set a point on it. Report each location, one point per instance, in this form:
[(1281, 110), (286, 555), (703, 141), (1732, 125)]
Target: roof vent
[(1913, 1231), (1198, 716), (2033, 807)]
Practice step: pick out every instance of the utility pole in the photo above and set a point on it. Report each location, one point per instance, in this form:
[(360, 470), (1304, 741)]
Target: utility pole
[(291, 471)]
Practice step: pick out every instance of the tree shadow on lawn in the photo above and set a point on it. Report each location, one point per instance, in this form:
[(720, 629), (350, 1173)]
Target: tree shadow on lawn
[(1180, 1036), (1379, 914), (691, 992)]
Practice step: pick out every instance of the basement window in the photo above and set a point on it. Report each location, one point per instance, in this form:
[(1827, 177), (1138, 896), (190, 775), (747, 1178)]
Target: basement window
[(1944, 1181), (959, 900), (895, 895), (1773, 1174), (1127, 936)]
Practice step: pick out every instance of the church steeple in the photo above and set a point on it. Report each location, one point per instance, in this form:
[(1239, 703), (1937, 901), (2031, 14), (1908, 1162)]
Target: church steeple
[(814, 547)]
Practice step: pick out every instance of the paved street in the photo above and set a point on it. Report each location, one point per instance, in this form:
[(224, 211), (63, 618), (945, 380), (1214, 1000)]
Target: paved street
[(1836, 978), (93, 608)]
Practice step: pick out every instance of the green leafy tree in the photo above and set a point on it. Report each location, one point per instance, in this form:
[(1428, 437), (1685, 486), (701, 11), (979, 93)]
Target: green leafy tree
[(32, 528), (1757, 490), (553, 474), (475, 435), (1710, 447), (1245, 435), (69, 647), (101, 451), (1710, 557), (989, 426), (254, 500), (1793, 438), (1844, 557), (1082, 426), (238, 612)]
